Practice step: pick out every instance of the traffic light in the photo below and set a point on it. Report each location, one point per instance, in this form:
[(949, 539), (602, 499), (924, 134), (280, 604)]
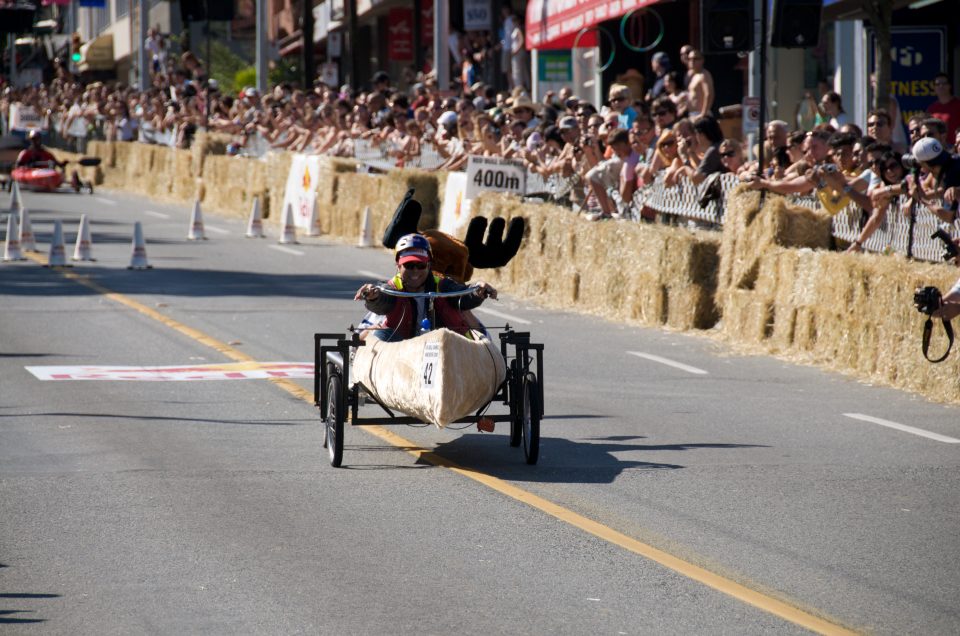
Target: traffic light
[(75, 45)]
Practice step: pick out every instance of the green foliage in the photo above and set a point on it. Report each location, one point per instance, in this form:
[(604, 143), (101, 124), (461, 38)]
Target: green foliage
[(224, 66), (286, 70), (246, 76)]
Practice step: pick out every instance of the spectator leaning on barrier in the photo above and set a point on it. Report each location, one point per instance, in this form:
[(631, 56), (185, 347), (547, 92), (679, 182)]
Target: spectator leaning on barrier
[(815, 151), (708, 140), (626, 179), (620, 99), (944, 168), (882, 195), (946, 107)]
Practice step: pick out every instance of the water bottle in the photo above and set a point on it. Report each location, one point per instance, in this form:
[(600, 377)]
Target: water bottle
[(424, 325)]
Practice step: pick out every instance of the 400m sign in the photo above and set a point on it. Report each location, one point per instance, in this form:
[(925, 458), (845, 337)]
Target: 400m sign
[(495, 174)]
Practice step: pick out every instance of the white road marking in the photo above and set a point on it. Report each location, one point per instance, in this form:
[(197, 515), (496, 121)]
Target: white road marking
[(287, 250), (221, 371), (217, 230), (369, 274), (903, 427), (668, 362), (159, 215), (499, 314), (105, 201)]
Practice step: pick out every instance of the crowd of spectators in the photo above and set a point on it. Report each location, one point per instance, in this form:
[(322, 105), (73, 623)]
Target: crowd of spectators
[(606, 151)]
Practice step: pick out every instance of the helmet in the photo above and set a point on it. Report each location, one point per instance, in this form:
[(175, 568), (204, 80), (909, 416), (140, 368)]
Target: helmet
[(413, 247), (33, 134)]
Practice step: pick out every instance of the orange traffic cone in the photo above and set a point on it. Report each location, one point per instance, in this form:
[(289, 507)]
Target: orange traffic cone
[(196, 232), (58, 250), (138, 259), (289, 233), (83, 250), (255, 226), (28, 242), (11, 251)]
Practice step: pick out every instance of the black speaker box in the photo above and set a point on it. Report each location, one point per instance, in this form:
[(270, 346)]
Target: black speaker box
[(199, 10), (727, 25), (796, 24), (17, 19)]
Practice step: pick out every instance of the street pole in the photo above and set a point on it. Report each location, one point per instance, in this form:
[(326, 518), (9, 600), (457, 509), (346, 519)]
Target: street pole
[(441, 35), (142, 61), (762, 124), (306, 31), (262, 70)]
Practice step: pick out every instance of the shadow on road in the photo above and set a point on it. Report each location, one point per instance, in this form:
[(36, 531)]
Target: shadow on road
[(176, 281), (161, 418), (596, 461), (7, 615)]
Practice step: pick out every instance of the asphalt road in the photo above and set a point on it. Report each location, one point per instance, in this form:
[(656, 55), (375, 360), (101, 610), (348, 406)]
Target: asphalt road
[(681, 488)]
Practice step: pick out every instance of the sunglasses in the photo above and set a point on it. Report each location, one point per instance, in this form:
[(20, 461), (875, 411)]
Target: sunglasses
[(660, 113), (414, 266), (914, 132), (876, 124), (727, 155), (618, 99), (642, 131), (666, 144)]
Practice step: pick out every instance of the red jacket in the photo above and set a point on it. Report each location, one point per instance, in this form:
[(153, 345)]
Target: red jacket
[(400, 313)]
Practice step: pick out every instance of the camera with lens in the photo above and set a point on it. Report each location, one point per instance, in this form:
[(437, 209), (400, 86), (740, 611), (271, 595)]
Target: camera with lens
[(927, 300), (950, 247), (830, 167), (909, 162)]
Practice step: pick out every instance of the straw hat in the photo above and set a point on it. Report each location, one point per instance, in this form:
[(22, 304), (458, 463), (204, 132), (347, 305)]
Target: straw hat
[(524, 102)]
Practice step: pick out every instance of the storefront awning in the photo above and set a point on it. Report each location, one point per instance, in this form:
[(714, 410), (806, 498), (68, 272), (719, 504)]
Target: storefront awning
[(554, 24), (97, 54)]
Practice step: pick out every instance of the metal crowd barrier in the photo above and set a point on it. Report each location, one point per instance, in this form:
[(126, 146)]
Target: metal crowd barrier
[(900, 232)]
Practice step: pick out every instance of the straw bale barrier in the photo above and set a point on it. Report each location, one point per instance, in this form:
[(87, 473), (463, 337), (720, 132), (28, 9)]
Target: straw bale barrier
[(781, 292), (622, 271)]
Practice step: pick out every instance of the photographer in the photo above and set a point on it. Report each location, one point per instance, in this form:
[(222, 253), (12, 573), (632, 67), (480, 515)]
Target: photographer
[(950, 304)]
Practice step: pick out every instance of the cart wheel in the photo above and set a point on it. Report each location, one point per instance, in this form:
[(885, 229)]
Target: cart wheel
[(334, 417), (530, 418), (89, 186), (516, 382)]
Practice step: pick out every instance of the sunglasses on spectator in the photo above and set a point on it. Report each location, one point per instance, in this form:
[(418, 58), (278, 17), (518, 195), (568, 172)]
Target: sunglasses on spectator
[(618, 99), (728, 154), (914, 132), (414, 265), (642, 131), (660, 113), (877, 123), (669, 142)]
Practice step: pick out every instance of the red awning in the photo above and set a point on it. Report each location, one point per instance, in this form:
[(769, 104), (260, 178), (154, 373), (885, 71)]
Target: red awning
[(554, 24)]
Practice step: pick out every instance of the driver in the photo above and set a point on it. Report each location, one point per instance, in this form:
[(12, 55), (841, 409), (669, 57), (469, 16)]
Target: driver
[(37, 154), (401, 317)]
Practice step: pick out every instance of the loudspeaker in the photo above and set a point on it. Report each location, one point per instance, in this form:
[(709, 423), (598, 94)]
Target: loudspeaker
[(200, 10), (727, 25), (17, 20), (796, 24)]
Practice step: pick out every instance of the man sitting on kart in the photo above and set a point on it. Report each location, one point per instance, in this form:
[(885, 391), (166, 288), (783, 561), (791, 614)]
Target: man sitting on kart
[(400, 318), (38, 156)]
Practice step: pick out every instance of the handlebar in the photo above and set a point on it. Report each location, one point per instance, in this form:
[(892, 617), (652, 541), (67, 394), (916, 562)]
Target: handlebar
[(389, 291)]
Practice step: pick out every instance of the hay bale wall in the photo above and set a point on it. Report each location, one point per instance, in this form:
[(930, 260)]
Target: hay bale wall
[(781, 291)]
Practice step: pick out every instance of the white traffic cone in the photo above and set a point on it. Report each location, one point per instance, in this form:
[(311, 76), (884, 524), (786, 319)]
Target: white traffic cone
[(196, 232), (84, 248), (58, 250), (11, 251), (28, 242), (255, 226), (138, 259), (15, 202), (366, 229), (289, 233), (313, 229)]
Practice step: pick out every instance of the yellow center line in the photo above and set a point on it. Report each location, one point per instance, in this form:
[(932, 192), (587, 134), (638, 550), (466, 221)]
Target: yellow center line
[(782, 609)]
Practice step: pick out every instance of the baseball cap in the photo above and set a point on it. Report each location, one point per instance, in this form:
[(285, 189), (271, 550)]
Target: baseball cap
[(447, 118), (414, 255), (661, 58), (927, 149), (568, 122)]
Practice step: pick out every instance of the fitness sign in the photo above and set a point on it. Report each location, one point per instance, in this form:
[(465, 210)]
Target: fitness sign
[(495, 174)]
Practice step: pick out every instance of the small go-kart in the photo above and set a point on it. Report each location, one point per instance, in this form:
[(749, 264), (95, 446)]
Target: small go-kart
[(438, 377), (45, 177)]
